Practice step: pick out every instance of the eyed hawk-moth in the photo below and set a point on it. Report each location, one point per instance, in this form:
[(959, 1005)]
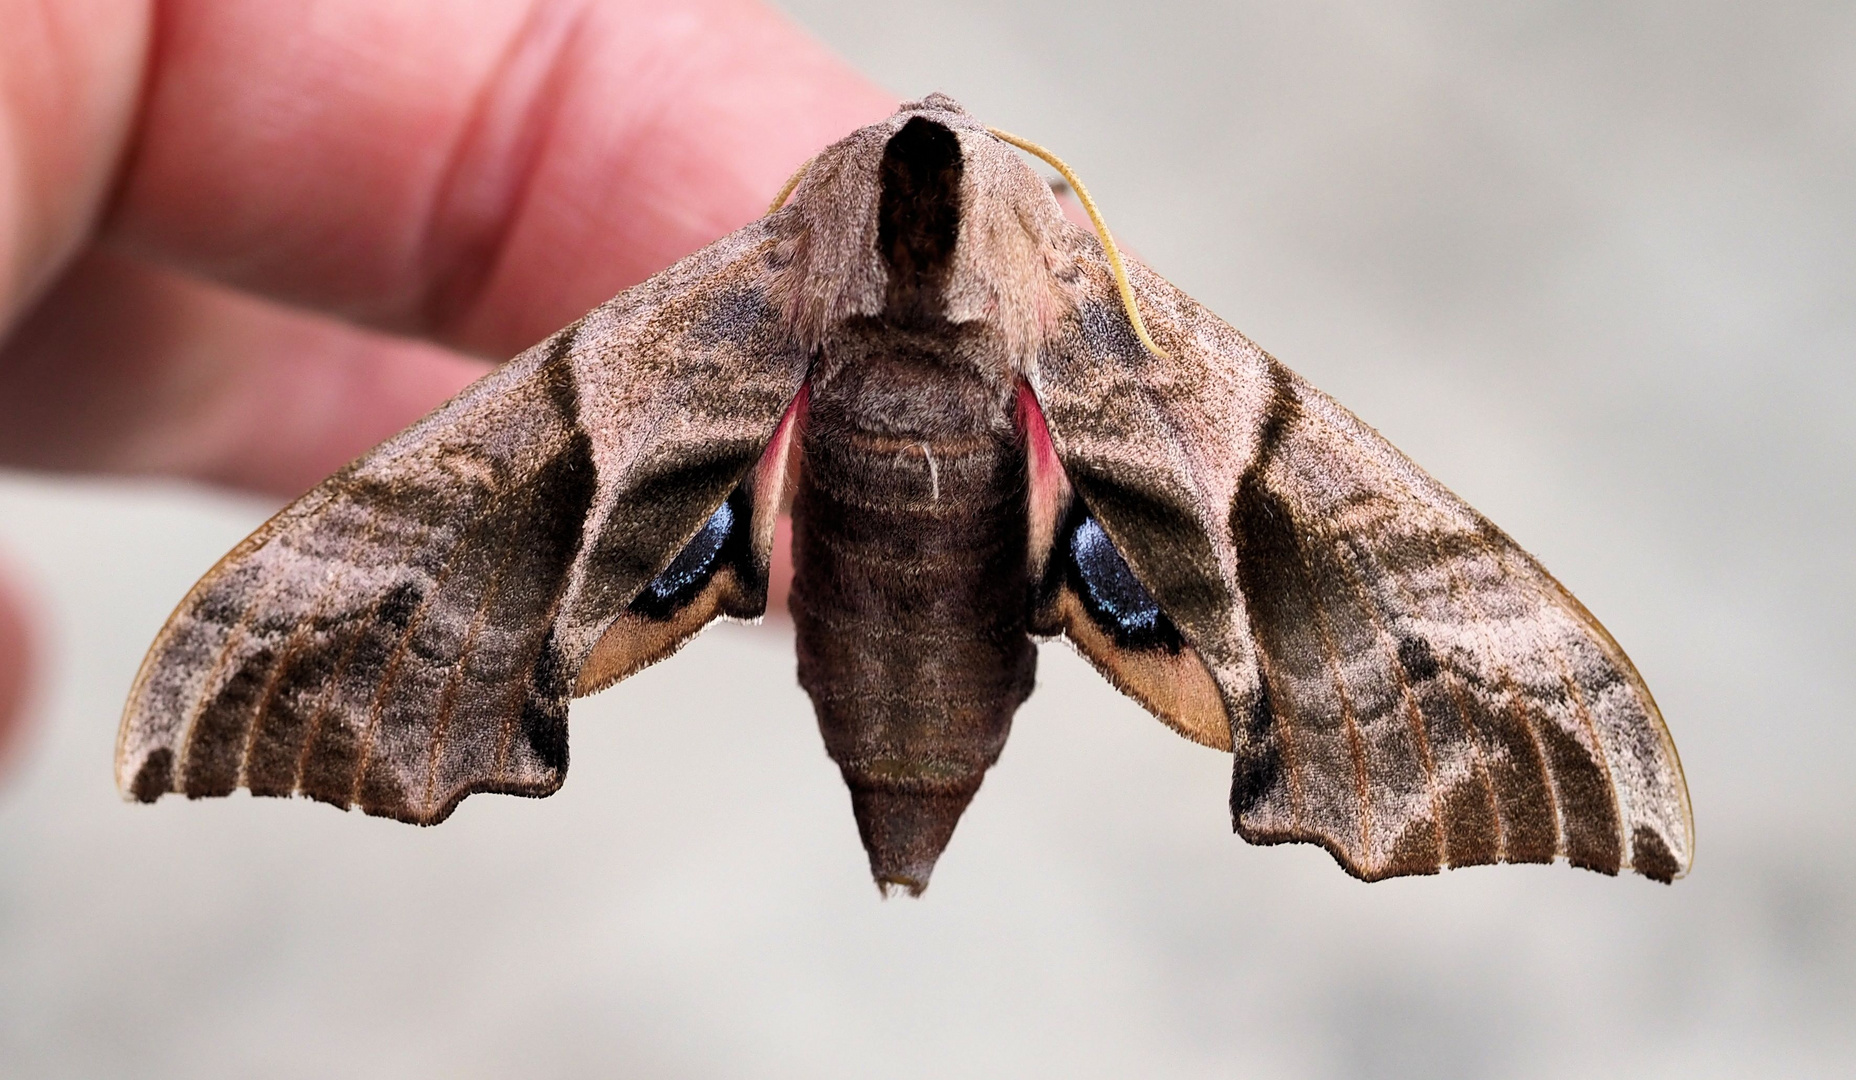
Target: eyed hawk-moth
[(988, 429)]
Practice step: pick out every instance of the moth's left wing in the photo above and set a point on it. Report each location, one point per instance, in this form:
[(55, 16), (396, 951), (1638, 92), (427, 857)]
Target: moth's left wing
[(410, 631), (1403, 684)]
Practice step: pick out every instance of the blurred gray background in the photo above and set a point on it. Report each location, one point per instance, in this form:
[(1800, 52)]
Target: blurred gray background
[(1592, 264)]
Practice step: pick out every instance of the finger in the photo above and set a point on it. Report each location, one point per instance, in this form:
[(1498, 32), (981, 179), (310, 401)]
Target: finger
[(16, 656), (70, 76), (126, 368), (477, 172)]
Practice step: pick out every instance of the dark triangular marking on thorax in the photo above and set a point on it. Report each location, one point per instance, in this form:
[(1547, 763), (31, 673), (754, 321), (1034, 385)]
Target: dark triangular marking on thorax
[(918, 218)]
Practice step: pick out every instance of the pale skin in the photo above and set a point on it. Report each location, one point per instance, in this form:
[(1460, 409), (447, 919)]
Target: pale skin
[(241, 242)]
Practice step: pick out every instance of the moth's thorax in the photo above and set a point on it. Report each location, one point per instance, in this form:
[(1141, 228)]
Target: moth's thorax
[(925, 382), (924, 217)]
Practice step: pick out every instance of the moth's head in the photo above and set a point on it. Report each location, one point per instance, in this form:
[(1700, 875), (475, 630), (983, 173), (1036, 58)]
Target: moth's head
[(922, 217)]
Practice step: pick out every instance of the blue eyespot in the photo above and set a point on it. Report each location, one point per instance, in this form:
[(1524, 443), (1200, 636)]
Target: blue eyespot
[(691, 569), (1113, 596)]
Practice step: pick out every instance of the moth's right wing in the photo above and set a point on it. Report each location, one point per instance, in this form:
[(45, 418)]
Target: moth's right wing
[(1403, 684), (410, 631)]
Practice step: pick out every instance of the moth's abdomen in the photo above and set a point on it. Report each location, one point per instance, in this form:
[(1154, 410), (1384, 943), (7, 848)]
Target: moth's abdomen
[(909, 601)]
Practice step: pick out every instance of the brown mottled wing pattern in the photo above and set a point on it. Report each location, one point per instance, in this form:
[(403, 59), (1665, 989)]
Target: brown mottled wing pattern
[(409, 632), (1406, 686)]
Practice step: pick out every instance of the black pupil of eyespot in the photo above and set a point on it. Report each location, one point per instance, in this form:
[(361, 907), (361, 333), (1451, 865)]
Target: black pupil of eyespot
[(692, 567)]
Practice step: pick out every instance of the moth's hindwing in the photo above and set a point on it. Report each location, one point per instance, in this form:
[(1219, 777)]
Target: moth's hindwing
[(410, 631), (1087, 593), (1403, 685)]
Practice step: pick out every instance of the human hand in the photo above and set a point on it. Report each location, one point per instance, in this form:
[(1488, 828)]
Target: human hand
[(241, 242)]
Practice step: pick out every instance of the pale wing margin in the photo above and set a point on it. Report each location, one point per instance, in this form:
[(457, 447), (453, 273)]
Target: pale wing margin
[(409, 631), (1407, 687)]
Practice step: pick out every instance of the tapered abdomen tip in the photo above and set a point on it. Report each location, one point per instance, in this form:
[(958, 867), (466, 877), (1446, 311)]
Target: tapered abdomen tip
[(905, 829)]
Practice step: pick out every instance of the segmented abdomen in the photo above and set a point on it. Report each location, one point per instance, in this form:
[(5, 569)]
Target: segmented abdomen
[(909, 600)]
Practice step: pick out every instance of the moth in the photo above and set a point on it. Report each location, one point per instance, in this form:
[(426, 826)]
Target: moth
[(989, 429)]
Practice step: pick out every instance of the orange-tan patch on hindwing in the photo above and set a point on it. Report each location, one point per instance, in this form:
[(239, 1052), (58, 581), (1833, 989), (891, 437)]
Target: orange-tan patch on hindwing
[(634, 642), (1175, 686)]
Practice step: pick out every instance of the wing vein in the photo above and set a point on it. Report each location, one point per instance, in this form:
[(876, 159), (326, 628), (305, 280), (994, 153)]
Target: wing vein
[(254, 732), (1414, 715), (235, 635), (448, 698), (1577, 697), (330, 587), (1505, 680), (1456, 592), (441, 576), (1361, 777)]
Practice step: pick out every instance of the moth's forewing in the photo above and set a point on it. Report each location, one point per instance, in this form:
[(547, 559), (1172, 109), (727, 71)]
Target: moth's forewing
[(410, 631), (1404, 685)]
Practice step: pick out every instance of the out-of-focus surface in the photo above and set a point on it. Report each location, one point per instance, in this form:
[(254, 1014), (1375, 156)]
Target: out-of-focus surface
[(1593, 265)]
